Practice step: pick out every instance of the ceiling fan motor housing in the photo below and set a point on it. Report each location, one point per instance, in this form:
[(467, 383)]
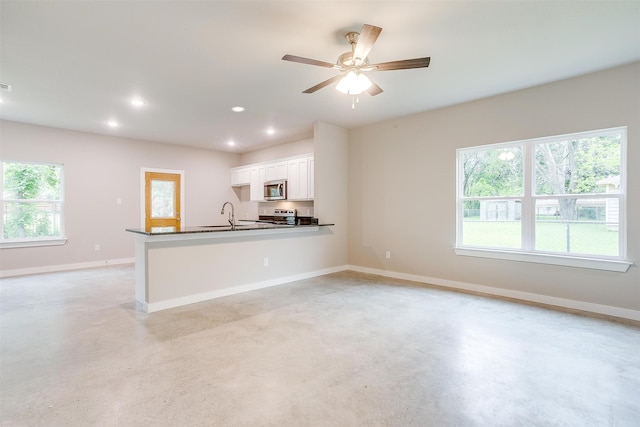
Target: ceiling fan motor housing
[(346, 60)]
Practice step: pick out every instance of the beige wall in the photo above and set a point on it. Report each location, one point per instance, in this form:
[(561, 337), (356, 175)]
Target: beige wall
[(100, 169), (394, 182), (97, 171), (331, 190), (402, 185)]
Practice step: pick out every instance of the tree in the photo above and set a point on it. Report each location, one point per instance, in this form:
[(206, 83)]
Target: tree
[(574, 167), (25, 184), (562, 168), (493, 172)]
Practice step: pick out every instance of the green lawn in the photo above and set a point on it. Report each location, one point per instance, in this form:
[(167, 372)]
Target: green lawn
[(550, 237)]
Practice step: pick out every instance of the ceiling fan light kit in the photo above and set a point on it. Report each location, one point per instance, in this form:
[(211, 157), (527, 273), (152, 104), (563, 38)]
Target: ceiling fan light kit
[(353, 83), (352, 65)]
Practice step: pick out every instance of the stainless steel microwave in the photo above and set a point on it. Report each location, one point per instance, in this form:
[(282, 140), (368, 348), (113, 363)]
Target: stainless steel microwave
[(275, 190)]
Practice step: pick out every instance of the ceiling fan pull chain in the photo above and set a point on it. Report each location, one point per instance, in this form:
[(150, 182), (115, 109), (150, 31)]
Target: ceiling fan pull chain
[(355, 100)]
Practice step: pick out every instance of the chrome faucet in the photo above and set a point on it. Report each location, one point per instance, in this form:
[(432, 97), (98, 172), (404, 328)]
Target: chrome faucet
[(232, 215)]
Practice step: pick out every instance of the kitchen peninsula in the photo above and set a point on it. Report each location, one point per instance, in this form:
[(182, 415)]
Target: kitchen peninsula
[(175, 267)]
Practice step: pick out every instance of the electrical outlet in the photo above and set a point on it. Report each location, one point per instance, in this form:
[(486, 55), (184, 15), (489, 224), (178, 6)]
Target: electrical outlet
[(388, 255), (97, 247), (266, 262), (118, 201)]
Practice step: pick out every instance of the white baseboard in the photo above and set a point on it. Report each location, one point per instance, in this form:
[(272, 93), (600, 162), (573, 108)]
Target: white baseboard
[(508, 293), (191, 299), (64, 267), (607, 310)]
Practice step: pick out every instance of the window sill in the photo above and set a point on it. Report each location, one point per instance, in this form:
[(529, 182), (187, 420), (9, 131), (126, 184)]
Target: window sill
[(593, 263), (31, 243)]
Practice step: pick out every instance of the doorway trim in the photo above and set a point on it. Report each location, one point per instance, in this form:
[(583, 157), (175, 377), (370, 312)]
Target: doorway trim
[(143, 171)]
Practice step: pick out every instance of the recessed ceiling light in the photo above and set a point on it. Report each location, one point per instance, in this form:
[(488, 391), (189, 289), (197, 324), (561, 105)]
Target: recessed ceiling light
[(271, 131), (112, 123), (231, 143), (237, 109), (137, 102)]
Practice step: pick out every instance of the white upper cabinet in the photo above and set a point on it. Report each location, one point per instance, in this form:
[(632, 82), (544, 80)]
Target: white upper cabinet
[(312, 182), (298, 171), (240, 176), (276, 170), (298, 182), (256, 191)]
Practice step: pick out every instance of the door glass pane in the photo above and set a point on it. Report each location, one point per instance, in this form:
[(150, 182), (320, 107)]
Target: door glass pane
[(167, 229), (162, 199)]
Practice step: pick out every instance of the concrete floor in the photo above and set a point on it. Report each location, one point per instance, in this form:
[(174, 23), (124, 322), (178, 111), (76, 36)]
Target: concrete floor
[(340, 350)]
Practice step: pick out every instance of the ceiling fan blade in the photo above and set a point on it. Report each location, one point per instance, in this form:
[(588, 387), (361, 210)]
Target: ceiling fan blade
[(403, 64), (323, 84), (309, 61), (367, 38), (374, 89)]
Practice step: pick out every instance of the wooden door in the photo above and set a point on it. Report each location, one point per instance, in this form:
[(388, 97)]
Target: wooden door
[(162, 200)]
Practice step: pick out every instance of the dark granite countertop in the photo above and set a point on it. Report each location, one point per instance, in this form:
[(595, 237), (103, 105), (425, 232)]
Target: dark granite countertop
[(240, 226)]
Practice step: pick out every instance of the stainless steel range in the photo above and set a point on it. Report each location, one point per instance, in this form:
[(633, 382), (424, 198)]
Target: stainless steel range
[(285, 216), (281, 216)]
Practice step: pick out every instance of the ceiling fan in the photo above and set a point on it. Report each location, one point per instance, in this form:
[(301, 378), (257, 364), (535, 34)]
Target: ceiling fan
[(352, 65)]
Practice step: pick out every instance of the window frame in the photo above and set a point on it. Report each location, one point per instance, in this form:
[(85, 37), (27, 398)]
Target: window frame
[(33, 241), (527, 251)]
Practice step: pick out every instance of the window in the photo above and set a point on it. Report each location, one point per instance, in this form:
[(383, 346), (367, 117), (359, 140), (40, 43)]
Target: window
[(32, 204), (556, 200)]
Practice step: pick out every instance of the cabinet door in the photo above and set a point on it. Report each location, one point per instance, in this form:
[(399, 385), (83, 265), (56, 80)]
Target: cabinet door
[(298, 179), (282, 170), (293, 184), (311, 178), (270, 172), (303, 178), (240, 176), (278, 170), (256, 190)]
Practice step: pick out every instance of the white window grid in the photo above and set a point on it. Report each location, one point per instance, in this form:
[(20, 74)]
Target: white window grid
[(528, 198)]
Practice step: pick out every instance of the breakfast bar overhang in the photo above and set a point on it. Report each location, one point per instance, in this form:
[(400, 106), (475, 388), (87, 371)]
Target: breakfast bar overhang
[(193, 264)]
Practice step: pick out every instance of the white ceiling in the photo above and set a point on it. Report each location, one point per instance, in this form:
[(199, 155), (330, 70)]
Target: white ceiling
[(76, 64)]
